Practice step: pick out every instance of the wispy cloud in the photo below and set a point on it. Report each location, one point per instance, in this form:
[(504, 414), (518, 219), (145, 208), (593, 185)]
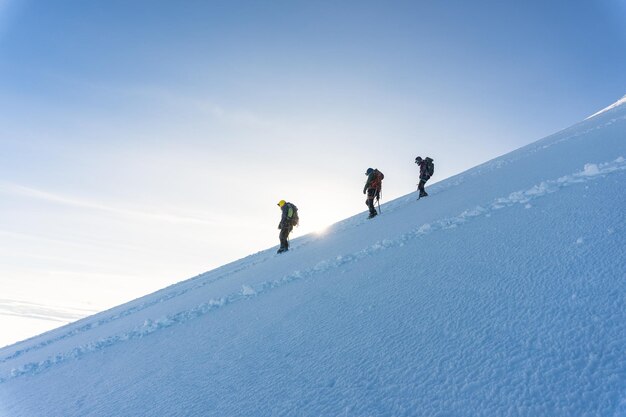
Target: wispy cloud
[(57, 242), (237, 117), (184, 103), (30, 310), (69, 201), (4, 14)]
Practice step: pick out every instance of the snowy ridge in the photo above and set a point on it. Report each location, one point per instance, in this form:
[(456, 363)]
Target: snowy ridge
[(548, 142), (611, 107), (590, 172)]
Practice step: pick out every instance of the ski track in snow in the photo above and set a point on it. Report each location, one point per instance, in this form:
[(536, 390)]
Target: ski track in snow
[(135, 309), (590, 172), (205, 279)]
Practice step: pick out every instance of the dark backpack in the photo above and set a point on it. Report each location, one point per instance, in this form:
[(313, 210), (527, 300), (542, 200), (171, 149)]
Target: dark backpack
[(430, 167), (377, 182), (294, 216)]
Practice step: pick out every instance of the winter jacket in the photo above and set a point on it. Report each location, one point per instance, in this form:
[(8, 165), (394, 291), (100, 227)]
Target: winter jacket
[(424, 174), (374, 180)]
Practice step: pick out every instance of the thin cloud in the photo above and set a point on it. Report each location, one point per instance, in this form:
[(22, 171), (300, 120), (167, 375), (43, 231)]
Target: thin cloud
[(6, 7), (205, 106), (74, 243), (238, 117), (28, 192), (25, 309)]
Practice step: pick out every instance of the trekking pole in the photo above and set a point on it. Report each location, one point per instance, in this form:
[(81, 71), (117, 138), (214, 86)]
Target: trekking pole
[(378, 201)]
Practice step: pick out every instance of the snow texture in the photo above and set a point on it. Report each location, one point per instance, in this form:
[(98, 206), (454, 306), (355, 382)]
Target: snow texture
[(501, 294)]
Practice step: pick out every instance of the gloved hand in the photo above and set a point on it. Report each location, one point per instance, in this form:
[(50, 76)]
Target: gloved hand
[(280, 225), (364, 191)]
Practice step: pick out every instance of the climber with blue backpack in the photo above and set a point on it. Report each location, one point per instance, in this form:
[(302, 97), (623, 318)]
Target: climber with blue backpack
[(288, 220)]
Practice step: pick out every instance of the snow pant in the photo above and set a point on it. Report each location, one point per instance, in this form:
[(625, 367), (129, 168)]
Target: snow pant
[(421, 186), (371, 193), (283, 236)]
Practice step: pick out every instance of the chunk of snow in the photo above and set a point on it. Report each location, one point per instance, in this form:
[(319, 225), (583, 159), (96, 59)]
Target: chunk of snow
[(247, 290), (590, 170)]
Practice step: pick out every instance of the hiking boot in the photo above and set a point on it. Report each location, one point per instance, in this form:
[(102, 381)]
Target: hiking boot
[(372, 214), (423, 194), (281, 250)]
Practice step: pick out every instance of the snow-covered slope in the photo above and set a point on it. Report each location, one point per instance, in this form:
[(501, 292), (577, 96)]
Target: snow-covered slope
[(501, 294)]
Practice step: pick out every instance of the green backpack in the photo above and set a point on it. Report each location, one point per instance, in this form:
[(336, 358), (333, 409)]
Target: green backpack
[(292, 214)]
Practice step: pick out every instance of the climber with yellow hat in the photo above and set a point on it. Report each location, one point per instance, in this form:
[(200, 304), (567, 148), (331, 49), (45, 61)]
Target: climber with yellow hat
[(288, 220)]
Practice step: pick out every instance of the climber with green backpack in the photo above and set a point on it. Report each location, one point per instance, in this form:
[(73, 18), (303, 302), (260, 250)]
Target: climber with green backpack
[(288, 220)]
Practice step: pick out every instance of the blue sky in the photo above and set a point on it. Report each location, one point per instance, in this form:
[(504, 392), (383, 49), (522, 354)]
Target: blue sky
[(143, 142)]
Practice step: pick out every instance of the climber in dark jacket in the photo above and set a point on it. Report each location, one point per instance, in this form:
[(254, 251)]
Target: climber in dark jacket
[(427, 169)]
